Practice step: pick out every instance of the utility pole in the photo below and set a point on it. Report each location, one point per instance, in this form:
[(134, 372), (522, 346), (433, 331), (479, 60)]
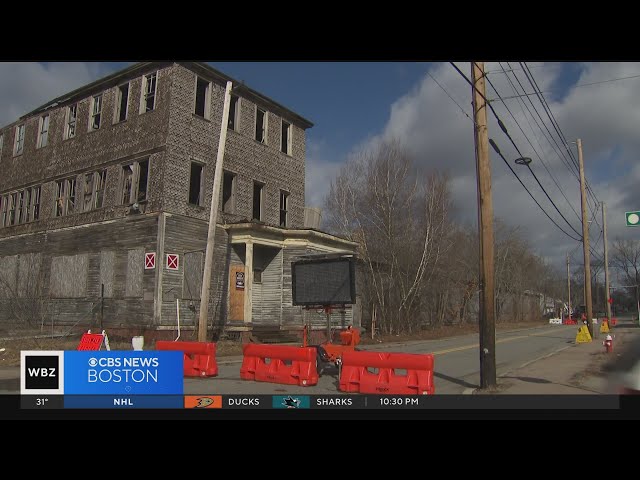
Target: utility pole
[(485, 227), (213, 219), (585, 244), (569, 285), (606, 260)]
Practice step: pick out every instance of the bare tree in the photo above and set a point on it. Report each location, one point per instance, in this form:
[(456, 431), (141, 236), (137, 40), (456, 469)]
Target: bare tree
[(399, 217), (626, 258)]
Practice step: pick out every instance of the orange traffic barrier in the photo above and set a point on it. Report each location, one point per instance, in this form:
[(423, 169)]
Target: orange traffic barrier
[(356, 376), (614, 321), (199, 357), (279, 364)]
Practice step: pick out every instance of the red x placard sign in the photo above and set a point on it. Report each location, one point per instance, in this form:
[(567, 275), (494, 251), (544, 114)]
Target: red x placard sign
[(172, 261), (149, 260)]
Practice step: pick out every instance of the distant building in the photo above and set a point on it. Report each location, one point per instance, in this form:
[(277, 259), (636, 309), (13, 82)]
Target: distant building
[(98, 183)]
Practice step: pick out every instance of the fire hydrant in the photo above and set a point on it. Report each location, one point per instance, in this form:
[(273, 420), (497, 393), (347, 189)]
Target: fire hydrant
[(608, 344)]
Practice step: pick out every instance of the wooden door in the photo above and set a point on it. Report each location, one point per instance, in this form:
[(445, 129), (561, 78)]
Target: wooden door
[(236, 293)]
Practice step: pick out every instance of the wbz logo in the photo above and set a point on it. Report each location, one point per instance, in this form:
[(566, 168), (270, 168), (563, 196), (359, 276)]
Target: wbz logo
[(42, 372)]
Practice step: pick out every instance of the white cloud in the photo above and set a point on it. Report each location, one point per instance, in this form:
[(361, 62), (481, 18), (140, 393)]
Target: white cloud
[(604, 116), (26, 86)]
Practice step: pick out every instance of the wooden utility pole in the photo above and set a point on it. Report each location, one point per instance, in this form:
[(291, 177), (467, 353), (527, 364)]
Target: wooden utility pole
[(585, 243), (606, 260), (569, 285), (213, 219), (485, 228)]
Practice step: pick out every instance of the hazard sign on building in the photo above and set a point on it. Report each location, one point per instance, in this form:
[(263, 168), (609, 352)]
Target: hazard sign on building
[(173, 261), (149, 260)]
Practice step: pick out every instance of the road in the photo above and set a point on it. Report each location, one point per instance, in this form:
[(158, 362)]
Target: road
[(456, 363)]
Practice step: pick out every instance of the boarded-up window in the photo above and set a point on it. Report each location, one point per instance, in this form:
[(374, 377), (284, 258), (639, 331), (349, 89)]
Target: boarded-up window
[(135, 267), (192, 281), (29, 278), (8, 276), (107, 259), (69, 276)]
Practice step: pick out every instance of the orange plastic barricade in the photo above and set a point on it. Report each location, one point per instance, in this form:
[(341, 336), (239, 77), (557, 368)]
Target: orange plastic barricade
[(279, 364), (199, 357), (356, 374)]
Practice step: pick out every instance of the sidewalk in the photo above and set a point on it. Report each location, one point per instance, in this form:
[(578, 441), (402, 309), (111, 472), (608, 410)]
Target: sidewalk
[(574, 369)]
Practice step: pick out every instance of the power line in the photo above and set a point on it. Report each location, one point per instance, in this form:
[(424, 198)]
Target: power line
[(575, 170), (504, 129), (573, 86), (534, 149), (452, 99), (554, 122), (495, 147)]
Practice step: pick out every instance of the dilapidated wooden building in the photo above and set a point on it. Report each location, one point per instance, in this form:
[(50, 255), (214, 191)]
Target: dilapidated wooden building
[(104, 205)]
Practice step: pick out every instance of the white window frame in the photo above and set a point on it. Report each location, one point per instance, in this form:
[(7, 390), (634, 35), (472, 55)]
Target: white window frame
[(261, 215), (4, 201), (1, 143), (144, 94), (135, 181), (93, 113), (69, 185), (202, 193), (234, 183), (265, 125), (33, 204), (286, 208), (18, 144), (118, 106), (289, 134), (11, 208), (68, 122), (236, 114), (43, 135), (207, 99)]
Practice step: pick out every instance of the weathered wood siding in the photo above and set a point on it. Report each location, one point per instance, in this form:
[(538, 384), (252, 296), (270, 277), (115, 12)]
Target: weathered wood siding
[(267, 295), (188, 236), (74, 262)]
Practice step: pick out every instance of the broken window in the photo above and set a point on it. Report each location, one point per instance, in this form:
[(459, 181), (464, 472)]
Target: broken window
[(134, 182), (149, 93), (70, 127), (12, 209), (3, 210), (285, 141), (195, 184), (19, 207), (1, 143), (88, 192), (100, 183), (257, 201), (65, 197), (26, 199), (202, 97), (19, 144), (284, 207), (122, 102), (229, 193), (233, 113), (96, 112), (261, 127), (43, 133), (35, 203)]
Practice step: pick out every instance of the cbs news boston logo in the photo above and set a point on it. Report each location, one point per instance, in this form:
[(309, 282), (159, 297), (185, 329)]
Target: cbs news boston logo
[(101, 372)]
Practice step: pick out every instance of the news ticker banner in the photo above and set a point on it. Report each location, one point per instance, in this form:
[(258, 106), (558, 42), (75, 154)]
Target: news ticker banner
[(331, 401), (101, 373)]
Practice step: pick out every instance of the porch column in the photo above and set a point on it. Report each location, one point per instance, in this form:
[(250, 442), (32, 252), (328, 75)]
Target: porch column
[(248, 281)]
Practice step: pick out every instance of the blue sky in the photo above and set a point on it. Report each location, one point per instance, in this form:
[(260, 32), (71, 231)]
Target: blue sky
[(355, 104)]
